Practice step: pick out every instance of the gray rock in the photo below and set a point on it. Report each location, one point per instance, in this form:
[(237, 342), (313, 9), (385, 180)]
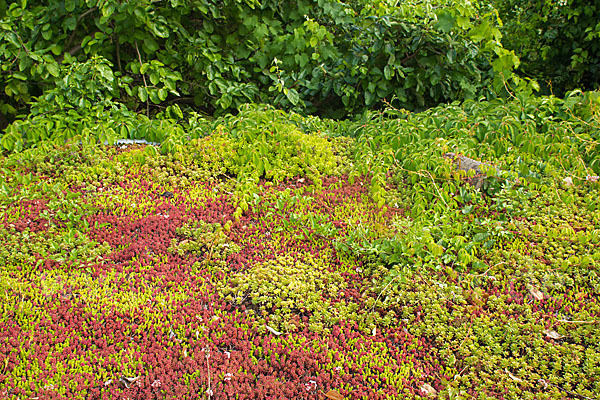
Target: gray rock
[(468, 164)]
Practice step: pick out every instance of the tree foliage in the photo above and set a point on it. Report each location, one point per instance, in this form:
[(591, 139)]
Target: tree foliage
[(327, 56), (558, 41)]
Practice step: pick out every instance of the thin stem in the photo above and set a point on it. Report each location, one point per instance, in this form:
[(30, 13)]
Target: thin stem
[(118, 51), (565, 321), (420, 173), (21, 41), (209, 391), (144, 78), (82, 16), (383, 290), (572, 394)]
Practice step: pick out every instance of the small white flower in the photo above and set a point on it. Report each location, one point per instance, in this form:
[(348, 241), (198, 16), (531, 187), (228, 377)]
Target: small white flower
[(311, 385)]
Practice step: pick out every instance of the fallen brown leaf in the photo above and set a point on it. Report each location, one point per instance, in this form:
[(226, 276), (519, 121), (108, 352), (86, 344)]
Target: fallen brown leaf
[(273, 330), (428, 390), (333, 395), (553, 334), (126, 382), (513, 377), (535, 292)]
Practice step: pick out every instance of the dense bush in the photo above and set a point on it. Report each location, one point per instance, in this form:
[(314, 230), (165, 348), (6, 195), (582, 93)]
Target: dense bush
[(558, 41), (326, 56)]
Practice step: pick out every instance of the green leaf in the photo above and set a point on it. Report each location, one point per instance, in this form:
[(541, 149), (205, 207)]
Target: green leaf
[(153, 94), (451, 54), (436, 249), (70, 5), (293, 96), (258, 164), (150, 44), (8, 141), (369, 98), (445, 21), (480, 237), (162, 94), (225, 101), (108, 9), (478, 266), (154, 77), (53, 69), (47, 34), (142, 94), (481, 32), (169, 84), (56, 49), (19, 75), (176, 111), (106, 72), (387, 72), (302, 59)]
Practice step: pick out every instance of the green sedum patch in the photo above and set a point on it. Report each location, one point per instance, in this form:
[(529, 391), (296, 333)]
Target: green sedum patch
[(287, 288), (200, 236)]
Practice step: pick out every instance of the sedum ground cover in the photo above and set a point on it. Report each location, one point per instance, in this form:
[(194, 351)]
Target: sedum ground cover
[(268, 255)]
